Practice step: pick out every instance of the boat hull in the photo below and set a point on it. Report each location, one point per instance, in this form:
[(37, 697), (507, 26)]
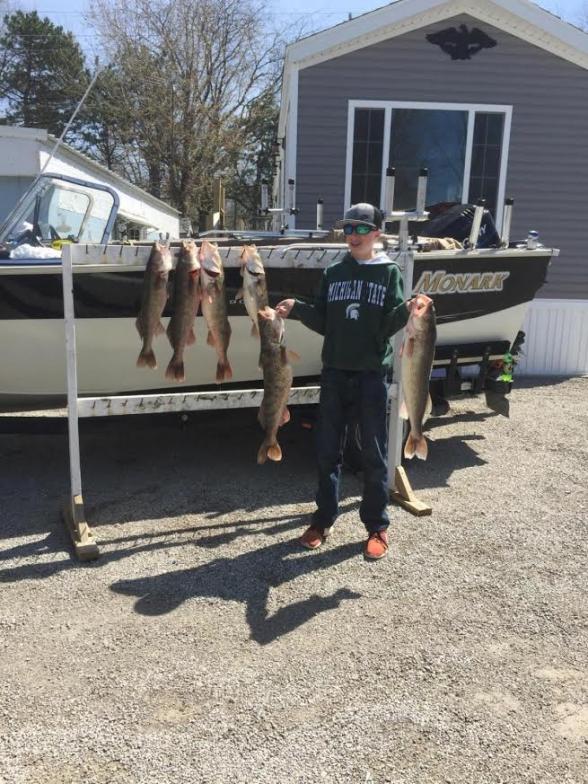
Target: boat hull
[(480, 299)]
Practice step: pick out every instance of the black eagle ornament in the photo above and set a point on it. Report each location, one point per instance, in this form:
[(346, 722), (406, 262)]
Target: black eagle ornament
[(461, 44)]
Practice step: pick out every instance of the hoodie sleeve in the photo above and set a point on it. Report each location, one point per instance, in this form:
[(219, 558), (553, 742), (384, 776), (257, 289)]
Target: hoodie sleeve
[(395, 313), (313, 316)]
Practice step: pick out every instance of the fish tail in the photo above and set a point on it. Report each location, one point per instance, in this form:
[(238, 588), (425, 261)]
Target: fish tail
[(147, 358), (416, 445), (175, 370), (169, 332), (224, 371), (269, 449)]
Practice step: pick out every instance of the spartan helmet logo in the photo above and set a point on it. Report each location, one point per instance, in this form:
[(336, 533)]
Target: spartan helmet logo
[(352, 311)]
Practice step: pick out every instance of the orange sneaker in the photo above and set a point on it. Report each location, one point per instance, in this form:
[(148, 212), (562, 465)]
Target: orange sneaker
[(376, 546), (313, 537)]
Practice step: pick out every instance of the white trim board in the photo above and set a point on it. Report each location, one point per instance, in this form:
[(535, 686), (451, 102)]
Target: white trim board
[(389, 106), (520, 18)]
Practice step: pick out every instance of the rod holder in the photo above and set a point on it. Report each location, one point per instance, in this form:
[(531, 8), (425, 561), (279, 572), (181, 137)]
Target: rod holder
[(319, 214), (264, 197), (292, 197), (506, 223), (476, 223), (389, 192), (421, 196)]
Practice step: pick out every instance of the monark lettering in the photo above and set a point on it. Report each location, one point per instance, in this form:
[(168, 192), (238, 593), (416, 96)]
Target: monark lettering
[(441, 282)]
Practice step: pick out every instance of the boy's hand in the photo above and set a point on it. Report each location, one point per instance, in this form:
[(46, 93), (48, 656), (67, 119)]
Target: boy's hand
[(420, 299), (284, 307)]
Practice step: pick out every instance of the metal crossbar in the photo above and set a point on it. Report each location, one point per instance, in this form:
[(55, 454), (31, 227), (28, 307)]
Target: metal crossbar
[(91, 258), (178, 402)]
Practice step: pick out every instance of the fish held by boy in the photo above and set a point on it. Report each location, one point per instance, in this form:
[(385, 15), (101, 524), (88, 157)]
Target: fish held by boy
[(153, 300), (254, 291), (214, 307), (417, 355), (180, 329), (277, 381)]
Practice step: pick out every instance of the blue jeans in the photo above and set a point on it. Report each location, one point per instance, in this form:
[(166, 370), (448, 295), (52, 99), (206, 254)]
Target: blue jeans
[(347, 396)]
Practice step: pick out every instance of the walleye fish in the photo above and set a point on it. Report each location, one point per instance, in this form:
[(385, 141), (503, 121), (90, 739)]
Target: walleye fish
[(180, 329), (153, 300), (214, 307), (254, 291), (277, 380), (418, 352)]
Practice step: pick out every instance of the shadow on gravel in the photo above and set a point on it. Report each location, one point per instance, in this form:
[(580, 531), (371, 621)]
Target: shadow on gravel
[(148, 468), (446, 456), (451, 419), (246, 578)]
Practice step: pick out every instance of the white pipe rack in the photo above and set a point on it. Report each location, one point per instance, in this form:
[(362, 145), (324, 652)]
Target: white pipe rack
[(94, 258)]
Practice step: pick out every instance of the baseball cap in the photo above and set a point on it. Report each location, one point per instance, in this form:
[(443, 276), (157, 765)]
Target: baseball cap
[(362, 213)]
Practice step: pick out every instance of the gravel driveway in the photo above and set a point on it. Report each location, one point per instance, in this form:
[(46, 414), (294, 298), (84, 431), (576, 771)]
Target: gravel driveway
[(204, 646)]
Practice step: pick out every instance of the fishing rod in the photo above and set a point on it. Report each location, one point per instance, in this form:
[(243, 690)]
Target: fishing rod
[(70, 121)]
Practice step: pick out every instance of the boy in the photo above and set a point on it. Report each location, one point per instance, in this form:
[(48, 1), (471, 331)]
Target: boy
[(359, 307)]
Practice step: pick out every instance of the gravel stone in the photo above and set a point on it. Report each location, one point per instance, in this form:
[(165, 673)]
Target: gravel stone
[(205, 647)]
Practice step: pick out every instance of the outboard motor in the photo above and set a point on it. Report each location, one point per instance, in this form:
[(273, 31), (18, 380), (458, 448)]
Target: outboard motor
[(455, 220)]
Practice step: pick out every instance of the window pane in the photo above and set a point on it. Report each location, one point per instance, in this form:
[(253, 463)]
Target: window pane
[(376, 125), (360, 153), (362, 121), (372, 190), (431, 138), (357, 188), (374, 165), (494, 132), (368, 142), (477, 160), (480, 129), (486, 154)]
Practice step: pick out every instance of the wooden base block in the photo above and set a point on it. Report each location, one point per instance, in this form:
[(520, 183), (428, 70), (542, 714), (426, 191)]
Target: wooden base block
[(83, 540), (404, 495)]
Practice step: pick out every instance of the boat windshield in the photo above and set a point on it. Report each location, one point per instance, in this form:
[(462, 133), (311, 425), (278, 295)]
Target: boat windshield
[(61, 209)]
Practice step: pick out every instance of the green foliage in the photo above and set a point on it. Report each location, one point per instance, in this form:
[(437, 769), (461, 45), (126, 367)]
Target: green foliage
[(42, 72), (190, 94), (255, 161)]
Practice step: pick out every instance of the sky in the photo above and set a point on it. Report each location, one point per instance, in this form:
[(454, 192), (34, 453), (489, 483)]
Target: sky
[(316, 15)]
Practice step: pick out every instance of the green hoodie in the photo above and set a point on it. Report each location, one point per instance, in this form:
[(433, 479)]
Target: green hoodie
[(360, 305)]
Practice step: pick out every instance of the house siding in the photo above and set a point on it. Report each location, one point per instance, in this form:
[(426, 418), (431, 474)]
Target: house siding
[(548, 155)]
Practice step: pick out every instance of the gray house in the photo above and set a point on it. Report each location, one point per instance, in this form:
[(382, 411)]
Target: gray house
[(490, 95)]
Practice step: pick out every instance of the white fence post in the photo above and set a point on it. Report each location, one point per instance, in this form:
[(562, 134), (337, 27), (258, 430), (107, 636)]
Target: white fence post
[(73, 511)]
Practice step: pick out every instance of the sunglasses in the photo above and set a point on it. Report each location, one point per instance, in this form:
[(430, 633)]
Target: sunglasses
[(361, 228)]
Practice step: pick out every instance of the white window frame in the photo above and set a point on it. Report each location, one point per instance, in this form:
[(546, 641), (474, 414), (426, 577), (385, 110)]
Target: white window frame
[(470, 108)]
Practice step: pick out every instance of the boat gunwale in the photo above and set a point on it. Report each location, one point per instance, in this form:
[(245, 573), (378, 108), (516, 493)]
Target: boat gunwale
[(54, 266)]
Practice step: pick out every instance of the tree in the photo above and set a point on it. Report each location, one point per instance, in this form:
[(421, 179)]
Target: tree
[(255, 163), (194, 79), (104, 125), (42, 72)]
